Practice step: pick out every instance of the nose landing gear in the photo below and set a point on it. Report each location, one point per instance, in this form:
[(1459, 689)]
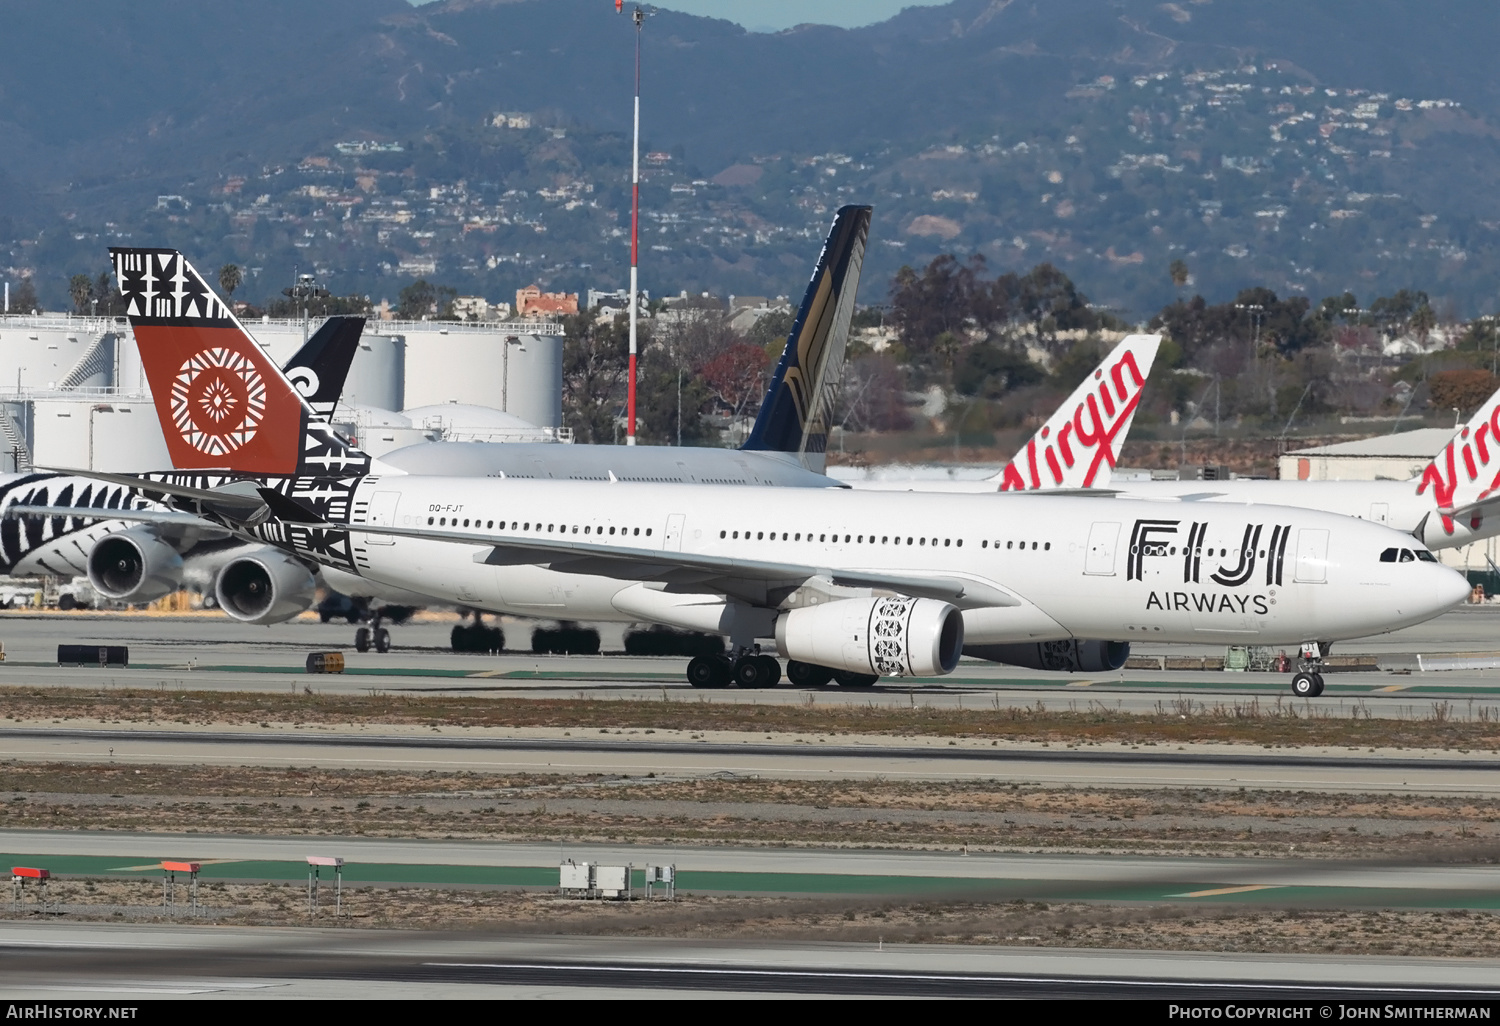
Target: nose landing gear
[(1307, 682), (375, 634)]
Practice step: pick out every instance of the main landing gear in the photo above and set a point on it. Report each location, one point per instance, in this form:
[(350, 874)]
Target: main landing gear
[(752, 670), (1307, 682)]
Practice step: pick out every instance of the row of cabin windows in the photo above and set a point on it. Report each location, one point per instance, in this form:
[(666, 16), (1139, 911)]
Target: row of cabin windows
[(526, 525), (1045, 546), (859, 539)]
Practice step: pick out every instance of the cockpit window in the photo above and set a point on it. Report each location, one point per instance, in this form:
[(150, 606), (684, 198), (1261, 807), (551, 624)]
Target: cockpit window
[(1407, 557), (1426, 556), (1388, 556)]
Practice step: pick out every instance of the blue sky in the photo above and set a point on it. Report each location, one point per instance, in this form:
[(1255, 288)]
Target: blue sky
[(774, 15)]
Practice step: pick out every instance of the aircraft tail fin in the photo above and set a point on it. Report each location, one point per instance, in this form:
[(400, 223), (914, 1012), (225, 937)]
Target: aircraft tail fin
[(223, 404), (1466, 473), (794, 415), (1080, 443), (319, 369)]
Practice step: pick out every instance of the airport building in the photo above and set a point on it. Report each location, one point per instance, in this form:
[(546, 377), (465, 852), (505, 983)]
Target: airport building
[(73, 392)]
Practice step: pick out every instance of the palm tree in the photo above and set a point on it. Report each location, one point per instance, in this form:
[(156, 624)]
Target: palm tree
[(230, 278), (80, 290)]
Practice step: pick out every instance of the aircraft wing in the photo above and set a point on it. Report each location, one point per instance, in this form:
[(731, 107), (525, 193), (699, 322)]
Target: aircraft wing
[(148, 516)]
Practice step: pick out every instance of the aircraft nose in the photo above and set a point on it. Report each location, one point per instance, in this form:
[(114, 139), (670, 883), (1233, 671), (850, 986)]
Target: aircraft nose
[(1448, 588)]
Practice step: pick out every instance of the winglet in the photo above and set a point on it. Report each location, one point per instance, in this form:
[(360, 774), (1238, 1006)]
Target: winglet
[(1079, 444), (794, 414)]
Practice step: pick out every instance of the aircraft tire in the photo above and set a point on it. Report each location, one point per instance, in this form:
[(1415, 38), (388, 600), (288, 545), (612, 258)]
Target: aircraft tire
[(707, 672), (382, 640), (362, 640), (1305, 685), (772, 668), (845, 679), (1318, 677), (807, 675), (752, 672)]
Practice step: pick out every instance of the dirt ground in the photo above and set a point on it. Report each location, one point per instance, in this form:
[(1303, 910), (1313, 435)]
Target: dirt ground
[(1016, 923), (903, 815), (1277, 723)]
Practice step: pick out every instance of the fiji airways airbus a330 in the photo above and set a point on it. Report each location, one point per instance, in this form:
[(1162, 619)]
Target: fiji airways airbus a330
[(853, 585)]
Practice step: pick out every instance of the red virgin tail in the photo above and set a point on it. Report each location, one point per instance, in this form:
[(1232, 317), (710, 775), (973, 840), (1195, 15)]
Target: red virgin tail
[(223, 404)]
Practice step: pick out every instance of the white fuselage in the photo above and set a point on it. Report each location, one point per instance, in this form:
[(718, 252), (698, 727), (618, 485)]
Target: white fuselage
[(1393, 503), (1075, 566)]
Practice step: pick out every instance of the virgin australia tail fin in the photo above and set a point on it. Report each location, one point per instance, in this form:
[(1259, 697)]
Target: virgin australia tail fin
[(1080, 443), (223, 404), (794, 415), (1463, 479), (318, 370)]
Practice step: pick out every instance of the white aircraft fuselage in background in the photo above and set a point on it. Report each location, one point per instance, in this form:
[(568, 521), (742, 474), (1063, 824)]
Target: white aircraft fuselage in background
[(1033, 567)]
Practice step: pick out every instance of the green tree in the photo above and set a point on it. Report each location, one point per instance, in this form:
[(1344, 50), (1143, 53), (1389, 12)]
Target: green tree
[(422, 299), (230, 278), (1178, 269), (80, 291), (23, 299), (596, 365)]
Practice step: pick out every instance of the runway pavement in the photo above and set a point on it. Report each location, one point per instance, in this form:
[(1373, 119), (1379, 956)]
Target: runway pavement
[(540, 751), (213, 653), (100, 963)]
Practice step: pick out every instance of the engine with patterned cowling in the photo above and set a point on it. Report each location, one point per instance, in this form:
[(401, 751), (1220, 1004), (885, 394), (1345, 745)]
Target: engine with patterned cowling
[(1070, 656), (265, 586), (878, 637), (134, 566)]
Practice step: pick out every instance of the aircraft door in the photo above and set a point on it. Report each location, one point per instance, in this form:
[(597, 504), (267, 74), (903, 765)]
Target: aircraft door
[(1380, 512), (673, 540), (1312, 557), (382, 510), (1100, 558)]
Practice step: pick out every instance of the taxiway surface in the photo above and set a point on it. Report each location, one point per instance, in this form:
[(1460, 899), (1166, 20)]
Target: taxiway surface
[(210, 652)]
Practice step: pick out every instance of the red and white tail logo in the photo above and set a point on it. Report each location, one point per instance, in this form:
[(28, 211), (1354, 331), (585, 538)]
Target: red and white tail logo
[(1080, 443), (222, 403), (1467, 471)]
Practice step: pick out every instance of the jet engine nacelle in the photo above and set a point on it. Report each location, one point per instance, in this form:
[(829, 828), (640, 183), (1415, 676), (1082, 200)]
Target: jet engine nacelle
[(889, 637), (1073, 656), (134, 566), (265, 586)]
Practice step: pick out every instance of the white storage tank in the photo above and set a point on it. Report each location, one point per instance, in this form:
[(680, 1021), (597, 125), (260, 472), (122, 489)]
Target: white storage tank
[(469, 365), (378, 377), (55, 351), (104, 434)]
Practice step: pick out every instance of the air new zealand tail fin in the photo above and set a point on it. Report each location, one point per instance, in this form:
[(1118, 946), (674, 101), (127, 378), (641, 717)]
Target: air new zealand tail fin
[(794, 415), (224, 405), (318, 370)]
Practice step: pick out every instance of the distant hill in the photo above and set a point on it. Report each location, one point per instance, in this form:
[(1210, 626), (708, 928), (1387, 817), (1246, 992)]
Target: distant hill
[(104, 107)]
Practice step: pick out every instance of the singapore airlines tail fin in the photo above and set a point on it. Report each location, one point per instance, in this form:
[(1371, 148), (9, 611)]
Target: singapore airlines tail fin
[(1463, 480), (1080, 443), (318, 370), (223, 404), (794, 415)]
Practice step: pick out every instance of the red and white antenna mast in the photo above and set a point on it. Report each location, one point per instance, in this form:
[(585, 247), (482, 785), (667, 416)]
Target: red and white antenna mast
[(639, 17)]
